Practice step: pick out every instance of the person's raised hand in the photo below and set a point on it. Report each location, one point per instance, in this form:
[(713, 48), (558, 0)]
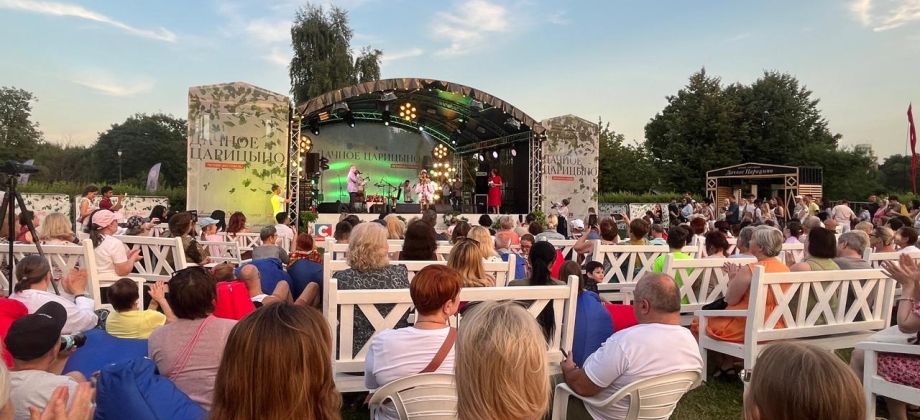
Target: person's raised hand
[(568, 363), (75, 282), (157, 292), (731, 269), (904, 273), (135, 254)]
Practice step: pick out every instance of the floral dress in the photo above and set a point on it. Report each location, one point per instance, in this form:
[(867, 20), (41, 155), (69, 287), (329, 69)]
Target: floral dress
[(390, 277), (311, 255), (899, 368)]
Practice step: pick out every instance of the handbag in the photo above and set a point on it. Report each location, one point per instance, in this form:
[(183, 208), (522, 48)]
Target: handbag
[(716, 305), (439, 357)]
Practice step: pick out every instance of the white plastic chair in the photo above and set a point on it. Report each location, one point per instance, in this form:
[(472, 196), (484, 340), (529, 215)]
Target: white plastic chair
[(423, 396), (649, 399), (874, 385)]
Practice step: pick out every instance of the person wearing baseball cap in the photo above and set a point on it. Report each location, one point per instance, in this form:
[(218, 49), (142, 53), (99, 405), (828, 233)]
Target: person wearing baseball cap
[(112, 256), (138, 226), (34, 341)]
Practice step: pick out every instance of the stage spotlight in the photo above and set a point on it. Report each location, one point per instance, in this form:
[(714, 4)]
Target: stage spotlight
[(513, 152), (387, 96), (349, 119), (386, 117), (305, 144), (476, 105), (495, 154), (407, 111), (481, 159), (339, 107), (514, 123), (462, 125), (323, 163), (440, 152)]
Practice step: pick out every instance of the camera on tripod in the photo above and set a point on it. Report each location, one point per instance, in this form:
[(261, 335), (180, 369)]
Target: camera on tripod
[(11, 167)]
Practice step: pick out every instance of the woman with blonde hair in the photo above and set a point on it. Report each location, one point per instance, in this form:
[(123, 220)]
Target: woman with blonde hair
[(396, 229), (370, 269), (57, 230), (486, 244), (288, 346), (512, 382), (798, 381), (466, 257), (882, 239)]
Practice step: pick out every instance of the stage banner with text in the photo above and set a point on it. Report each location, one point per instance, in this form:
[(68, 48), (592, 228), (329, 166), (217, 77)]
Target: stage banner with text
[(386, 156), (237, 148), (570, 168)]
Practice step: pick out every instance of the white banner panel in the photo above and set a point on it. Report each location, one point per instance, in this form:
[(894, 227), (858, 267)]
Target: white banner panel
[(237, 148), (570, 154)]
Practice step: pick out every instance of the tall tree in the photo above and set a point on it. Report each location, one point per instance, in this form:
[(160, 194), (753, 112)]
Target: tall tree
[(64, 162), (622, 166), (144, 141), (894, 173), (19, 135), (697, 131), (323, 59)]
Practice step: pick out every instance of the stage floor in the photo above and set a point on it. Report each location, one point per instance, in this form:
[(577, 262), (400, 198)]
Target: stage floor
[(326, 219)]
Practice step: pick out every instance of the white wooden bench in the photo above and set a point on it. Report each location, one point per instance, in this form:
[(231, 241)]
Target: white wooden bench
[(228, 252), (797, 250), (248, 241), (63, 259), (618, 282), (795, 318), (703, 281), (701, 242), (503, 271), (340, 251), (567, 247), (875, 385), (155, 266), (340, 307), (875, 259)]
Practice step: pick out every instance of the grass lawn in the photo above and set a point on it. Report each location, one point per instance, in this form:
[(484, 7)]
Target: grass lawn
[(713, 400)]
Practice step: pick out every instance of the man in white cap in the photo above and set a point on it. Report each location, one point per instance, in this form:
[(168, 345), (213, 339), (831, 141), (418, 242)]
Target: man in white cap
[(801, 210)]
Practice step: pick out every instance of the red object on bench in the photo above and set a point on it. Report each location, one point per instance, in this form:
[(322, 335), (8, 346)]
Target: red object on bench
[(622, 315)]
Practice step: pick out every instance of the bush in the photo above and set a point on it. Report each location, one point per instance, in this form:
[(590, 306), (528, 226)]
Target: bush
[(631, 198), (176, 196)]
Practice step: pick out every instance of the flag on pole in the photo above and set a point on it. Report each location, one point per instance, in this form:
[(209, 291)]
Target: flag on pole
[(153, 178), (912, 134), (24, 178)]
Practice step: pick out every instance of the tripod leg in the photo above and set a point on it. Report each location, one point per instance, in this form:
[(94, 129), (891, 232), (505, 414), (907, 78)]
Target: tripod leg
[(15, 196), (10, 265)]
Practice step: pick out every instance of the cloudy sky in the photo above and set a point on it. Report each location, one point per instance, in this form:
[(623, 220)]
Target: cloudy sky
[(92, 63)]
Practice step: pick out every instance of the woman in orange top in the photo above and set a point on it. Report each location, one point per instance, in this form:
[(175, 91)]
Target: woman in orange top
[(766, 244)]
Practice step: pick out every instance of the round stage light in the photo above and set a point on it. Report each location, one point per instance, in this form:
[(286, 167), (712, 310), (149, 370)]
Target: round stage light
[(407, 111), (481, 159), (495, 155), (513, 152)]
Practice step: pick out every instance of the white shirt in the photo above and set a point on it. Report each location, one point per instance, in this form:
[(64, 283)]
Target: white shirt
[(33, 388), (909, 249), (843, 214), (285, 231), (110, 251), (639, 352), (80, 315), (396, 354)]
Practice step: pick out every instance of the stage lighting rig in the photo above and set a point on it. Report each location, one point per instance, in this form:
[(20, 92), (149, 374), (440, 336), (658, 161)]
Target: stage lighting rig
[(314, 126), (323, 163), (306, 144), (387, 96), (349, 119), (407, 111), (440, 152), (514, 123), (386, 118)]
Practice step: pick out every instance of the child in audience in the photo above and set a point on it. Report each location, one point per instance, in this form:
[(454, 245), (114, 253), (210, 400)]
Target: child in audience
[(130, 322)]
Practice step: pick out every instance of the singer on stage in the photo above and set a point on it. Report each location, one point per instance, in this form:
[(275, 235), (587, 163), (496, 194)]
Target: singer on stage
[(456, 192), (424, 190), (355, 187), (495, 191)]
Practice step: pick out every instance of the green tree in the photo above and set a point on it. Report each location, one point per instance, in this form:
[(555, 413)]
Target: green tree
[(144, 141), (19, 135), (697, 131), (323, 59), (623, 167), (848, 172), (894, 173), (63, 162)]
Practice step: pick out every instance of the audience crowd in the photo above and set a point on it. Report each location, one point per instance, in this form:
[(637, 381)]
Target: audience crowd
[(249, 341)]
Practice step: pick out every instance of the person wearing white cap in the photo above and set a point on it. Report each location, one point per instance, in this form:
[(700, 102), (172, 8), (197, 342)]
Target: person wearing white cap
[(800, 210), (112, 256)]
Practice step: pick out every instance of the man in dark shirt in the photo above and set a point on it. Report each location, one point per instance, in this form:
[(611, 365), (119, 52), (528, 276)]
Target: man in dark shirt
[(732, 216), (873, 205), (674, 213)]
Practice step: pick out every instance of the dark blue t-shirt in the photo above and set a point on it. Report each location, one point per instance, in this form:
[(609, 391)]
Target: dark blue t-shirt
[(732, 218)]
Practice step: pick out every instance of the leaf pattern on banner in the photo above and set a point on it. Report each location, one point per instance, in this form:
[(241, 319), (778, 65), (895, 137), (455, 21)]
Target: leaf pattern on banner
[(577, 139)]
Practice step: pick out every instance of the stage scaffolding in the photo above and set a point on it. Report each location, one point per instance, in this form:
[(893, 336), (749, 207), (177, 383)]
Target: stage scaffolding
[(294, 167)]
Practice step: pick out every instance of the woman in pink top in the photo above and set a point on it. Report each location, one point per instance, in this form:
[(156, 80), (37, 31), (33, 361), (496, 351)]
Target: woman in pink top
[(792, 232)]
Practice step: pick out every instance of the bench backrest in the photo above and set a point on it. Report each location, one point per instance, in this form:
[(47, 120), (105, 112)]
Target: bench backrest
[(340, 306), (567, 247), (621, 261), (503, 271), (797, 250), (62, 259), (340, 251), (875, 259), (703, 279), (248, 241), (155, 266), (220, 251), (818, 303), (701, 242)]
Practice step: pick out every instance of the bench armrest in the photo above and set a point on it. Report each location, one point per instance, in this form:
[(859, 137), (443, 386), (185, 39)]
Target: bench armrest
[(889, 347), (710, 313)]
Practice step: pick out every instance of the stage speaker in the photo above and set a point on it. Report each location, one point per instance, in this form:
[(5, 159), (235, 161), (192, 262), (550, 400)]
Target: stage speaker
[(408, 208), (441, 208), (481, 203), (311, 164), (337, 207)]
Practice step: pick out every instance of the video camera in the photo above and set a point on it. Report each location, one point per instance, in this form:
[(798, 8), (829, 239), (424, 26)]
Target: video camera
[(11, 167)]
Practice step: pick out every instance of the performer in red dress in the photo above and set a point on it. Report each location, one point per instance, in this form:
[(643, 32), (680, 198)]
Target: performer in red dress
[(495, 192)]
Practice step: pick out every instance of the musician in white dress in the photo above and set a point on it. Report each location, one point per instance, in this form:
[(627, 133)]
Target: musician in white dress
[(424, 190)]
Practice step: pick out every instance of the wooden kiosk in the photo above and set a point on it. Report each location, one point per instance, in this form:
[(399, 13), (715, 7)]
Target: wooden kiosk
[(723, 182)]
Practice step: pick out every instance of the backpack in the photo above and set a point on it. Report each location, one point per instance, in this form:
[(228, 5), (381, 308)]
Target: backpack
[(233, 300)]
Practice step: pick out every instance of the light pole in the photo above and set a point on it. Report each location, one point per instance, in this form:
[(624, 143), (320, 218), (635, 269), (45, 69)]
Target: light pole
[(119, 165)]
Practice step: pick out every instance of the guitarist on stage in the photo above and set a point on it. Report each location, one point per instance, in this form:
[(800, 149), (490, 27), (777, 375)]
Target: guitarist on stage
[(355, 187)]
